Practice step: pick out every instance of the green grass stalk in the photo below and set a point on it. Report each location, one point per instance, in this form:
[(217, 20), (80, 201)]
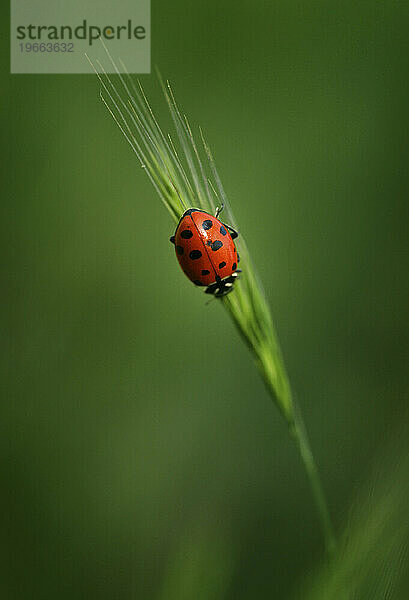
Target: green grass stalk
[(187, 177)]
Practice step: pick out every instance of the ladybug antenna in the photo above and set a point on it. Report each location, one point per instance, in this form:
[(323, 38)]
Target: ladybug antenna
[(211, 300)]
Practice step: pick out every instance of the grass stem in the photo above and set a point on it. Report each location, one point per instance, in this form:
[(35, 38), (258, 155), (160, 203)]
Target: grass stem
[(183, 180), (300, 437)]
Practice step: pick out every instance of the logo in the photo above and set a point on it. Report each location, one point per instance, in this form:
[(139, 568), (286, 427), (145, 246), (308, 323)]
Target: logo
[(46, 38)]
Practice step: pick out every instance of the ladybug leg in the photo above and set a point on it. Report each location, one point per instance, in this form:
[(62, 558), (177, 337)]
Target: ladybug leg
[(219, 210), (232, 231), (234, 234), (172, 239)]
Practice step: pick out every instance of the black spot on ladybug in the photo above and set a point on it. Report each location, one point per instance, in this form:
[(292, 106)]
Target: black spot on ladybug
[(197, 282), (205, 272), (216, 245), (234, 266), (223, 231), (207, 224), (221, 265), (235, 249), (186, 234), (195, 254), (179, 250), (172, 239)]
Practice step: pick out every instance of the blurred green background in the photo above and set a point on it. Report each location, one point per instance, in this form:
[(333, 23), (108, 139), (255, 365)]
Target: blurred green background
[(140, 454)]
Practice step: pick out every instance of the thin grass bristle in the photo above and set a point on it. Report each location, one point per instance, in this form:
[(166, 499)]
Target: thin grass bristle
[(187, 177)]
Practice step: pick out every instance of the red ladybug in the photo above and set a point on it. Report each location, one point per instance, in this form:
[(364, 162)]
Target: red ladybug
[(206, 251)]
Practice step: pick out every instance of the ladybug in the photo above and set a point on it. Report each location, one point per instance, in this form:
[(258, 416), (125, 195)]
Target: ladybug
[(206, 252)]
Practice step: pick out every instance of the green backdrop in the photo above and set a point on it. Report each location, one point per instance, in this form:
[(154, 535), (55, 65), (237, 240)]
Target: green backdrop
[(140, 454)]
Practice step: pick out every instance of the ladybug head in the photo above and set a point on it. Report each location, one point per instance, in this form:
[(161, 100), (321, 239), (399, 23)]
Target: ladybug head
[(223, 286)]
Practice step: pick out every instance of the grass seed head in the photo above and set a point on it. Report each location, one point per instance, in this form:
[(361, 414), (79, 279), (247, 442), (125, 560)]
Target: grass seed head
[(184, 175)]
